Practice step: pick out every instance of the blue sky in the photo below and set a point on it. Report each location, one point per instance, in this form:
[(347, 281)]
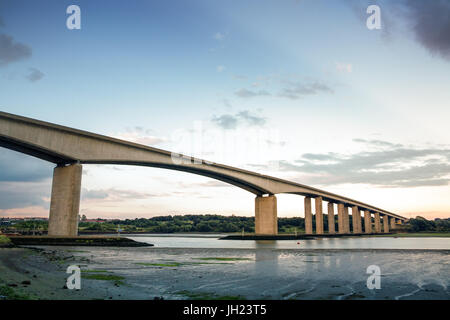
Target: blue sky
[(360, 112)]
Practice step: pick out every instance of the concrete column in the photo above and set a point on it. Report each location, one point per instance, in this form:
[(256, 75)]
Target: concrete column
[(367, 221), (377, 223), (65, 201), (331, 226), (385, 224), (356, 219), (392, 222), (308, 216), (346, 220), (341, 222), (266, 221), (319, 216)]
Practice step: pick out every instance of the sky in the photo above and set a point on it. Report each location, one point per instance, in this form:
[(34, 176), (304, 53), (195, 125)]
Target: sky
[(301, 90)]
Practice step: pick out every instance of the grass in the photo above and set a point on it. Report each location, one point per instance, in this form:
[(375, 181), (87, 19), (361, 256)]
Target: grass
[(10, 294), (222, 259), (94, 271), (4, 240), (170, 264), (105, 277), (207, 296)]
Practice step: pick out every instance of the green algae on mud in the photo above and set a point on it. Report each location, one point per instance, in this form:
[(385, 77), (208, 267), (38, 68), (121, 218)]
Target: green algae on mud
[(223, 259), (8, 293), (206, 296)]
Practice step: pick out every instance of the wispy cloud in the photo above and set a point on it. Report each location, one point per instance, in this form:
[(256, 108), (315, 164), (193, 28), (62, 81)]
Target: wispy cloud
[(297, 90), (231, 121), (112, 195), (11, 51), (220, 68), (34, 75), (245, 93), (386, 165), (219, 36)]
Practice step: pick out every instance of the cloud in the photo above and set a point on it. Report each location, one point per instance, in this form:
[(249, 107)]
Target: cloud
[(220, 68), (17, 167), (251, 119), (245, 93), (230, 121), (430, 22), (11, 51), (113, 195), (226, 121), (219, 36), (34, 75), (386, 165), (296, 90), (22, 195), (378, 143)]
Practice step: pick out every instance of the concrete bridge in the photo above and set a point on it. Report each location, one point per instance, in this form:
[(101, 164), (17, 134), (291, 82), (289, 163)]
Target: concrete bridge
[(70, 148)]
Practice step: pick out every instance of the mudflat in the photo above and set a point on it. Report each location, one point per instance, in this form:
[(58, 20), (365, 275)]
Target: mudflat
[(198, 273)]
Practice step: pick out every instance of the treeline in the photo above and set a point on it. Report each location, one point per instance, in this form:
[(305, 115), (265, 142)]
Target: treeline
[(190, 223), (420, 224), (215, 223)]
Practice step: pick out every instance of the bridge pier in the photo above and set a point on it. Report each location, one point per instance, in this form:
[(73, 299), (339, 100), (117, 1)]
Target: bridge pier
[(377, 223), (356, 219), (367, 221), (65, 201), (392, 223), (319, 215), (331, 226), (266, 215), (385, 224), (308, 216), (341, 218)]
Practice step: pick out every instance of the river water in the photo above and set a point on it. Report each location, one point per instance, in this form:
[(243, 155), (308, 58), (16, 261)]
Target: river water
[(186, 266), (212, 241)]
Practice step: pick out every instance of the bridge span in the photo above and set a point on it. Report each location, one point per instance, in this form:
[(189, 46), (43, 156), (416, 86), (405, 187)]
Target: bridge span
[(70, 148)]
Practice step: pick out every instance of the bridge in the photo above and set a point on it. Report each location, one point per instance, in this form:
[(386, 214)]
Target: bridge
[(70, 148)]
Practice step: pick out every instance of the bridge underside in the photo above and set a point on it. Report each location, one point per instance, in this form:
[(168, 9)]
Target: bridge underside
[(70, 148)]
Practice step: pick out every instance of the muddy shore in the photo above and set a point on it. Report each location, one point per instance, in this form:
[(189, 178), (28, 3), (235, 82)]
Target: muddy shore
[(195, 273)]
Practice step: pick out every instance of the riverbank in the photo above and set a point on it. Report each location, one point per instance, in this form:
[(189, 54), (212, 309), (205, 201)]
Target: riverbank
[(93, 240)]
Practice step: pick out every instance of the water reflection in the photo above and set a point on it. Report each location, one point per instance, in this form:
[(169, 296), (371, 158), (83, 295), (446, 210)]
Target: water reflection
[(266, 259), (212, 241)]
